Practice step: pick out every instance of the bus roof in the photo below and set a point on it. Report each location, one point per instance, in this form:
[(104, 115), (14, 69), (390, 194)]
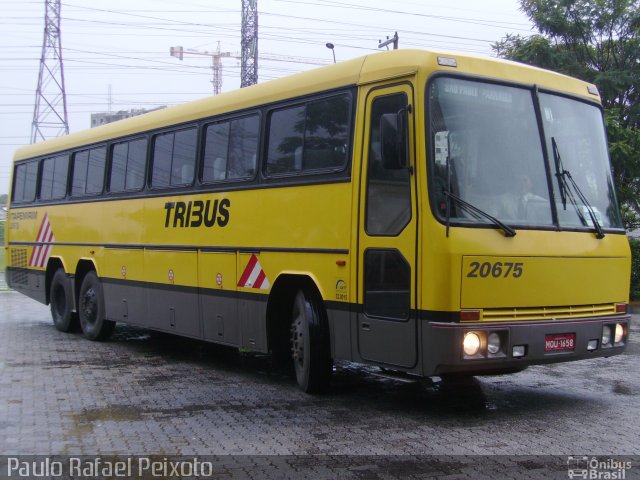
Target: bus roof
[(370, 68)]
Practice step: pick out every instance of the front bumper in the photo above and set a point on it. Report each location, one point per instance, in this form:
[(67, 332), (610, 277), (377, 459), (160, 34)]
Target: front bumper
[(442, 344)]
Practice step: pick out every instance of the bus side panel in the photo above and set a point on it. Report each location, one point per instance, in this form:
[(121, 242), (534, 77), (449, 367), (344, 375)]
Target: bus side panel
[(172, 296), (125, 297), (29, 282), (218, 297), (124, 301), (252, 317), (340, 330)]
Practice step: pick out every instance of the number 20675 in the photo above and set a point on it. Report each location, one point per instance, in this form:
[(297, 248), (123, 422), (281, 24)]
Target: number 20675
[(495, 270)]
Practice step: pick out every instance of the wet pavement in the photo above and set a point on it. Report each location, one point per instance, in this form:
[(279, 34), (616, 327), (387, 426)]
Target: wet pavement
[(144, 393)]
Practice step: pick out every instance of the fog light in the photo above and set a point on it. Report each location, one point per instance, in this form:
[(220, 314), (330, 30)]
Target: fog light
[(619, 337), (592, 345), (493, 343), (519, 351), (471, 344), (606, 335)]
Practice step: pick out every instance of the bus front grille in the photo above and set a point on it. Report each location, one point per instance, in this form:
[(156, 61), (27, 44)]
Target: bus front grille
[(547, 313)]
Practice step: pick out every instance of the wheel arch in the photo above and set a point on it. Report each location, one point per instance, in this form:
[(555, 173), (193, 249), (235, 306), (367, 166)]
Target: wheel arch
[(84, 266), (279, 306), (53, 265)]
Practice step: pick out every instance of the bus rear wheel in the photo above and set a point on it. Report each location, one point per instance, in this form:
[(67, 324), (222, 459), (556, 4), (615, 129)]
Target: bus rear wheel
[(310, 343), (91, 309), (61, 302)]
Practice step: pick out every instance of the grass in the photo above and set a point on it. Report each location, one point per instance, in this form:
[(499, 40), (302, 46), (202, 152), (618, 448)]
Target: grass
[(2, 254), (3, 285)]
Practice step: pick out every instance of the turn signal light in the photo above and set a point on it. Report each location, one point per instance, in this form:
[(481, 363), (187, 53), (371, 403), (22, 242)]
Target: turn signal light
[(469, 315), (621, 308)]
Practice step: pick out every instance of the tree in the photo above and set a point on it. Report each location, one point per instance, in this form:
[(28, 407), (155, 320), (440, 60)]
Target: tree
[(598, 41)]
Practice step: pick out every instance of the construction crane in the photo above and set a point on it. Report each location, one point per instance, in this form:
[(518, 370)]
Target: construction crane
[(217, 56)]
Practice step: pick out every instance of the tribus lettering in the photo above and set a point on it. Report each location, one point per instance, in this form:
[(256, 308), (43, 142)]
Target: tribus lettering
[(196, 213)]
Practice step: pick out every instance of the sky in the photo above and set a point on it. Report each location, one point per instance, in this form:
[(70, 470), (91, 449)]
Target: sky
[(122, 47)]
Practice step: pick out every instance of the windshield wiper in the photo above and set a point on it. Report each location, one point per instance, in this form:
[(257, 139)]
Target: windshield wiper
[(559, 168), (565, 192), (476, 212)]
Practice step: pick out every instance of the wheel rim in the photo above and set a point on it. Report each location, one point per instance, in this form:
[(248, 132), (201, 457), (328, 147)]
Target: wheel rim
[(59, 300), (297, 333), (89, 306)]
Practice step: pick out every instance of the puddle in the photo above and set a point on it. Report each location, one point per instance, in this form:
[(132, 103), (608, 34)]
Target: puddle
[(622, 388)]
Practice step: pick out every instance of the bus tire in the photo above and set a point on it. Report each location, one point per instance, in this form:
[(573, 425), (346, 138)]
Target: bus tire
[(310, 343), (61, 302), (91, 309)]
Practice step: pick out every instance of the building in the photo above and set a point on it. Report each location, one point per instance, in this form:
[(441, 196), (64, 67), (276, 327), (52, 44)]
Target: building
[(103, 118)]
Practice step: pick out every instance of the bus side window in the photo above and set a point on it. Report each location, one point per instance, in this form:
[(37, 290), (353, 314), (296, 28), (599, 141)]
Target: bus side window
[(215, 152), (24, 183), (53, 181), (286, 129), (174, 158), (310, 137), (243, 146), (128, 161), (231, 149), (88, 171)]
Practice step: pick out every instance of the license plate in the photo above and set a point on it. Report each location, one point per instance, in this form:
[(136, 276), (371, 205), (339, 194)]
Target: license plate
[(559, 342)]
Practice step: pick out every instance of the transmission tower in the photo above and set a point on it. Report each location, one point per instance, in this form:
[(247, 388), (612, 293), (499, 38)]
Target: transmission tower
[(50, 113), (249, 43)]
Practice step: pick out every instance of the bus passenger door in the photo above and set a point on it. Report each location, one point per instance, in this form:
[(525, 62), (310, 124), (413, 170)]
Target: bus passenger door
[(387, 331)]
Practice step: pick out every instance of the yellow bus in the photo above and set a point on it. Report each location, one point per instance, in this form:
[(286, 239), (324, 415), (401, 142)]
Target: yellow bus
[(432, 214)]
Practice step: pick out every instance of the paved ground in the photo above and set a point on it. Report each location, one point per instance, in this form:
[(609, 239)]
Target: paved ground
[(145, 393)]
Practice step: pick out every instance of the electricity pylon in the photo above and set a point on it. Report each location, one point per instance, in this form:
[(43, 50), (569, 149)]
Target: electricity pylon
[(50, 117), (249, 43)]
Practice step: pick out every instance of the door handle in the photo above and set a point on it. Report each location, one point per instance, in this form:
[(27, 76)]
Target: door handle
[(366, 326)]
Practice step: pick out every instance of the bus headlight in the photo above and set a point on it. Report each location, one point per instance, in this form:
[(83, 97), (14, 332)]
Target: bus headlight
[(471, 344), (606, 335), (619, 336), (493, 343)]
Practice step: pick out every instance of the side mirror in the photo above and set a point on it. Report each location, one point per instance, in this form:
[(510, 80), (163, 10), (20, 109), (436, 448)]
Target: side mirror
[(394, 140)]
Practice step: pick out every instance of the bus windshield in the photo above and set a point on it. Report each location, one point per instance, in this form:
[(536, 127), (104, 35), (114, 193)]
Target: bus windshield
[(487, 150)]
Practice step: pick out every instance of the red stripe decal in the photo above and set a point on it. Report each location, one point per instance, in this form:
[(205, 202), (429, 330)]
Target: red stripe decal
[(33, 255), (45, 255), (42, 225), (260, 279), (247, 271), (41, 248), (36, 250)]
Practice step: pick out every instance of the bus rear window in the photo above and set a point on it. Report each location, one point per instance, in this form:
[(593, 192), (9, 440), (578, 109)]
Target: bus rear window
[(24, 182), (309, 137)]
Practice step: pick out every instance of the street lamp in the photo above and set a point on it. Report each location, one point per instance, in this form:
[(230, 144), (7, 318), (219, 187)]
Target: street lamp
[(331, 47)]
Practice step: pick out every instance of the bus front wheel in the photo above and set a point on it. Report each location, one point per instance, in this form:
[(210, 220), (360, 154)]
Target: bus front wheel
[(310, 343), (91, 309), (61, 302)]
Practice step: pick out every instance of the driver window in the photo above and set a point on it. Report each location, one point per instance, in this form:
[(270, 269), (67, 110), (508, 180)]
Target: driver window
[(388, 188)]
